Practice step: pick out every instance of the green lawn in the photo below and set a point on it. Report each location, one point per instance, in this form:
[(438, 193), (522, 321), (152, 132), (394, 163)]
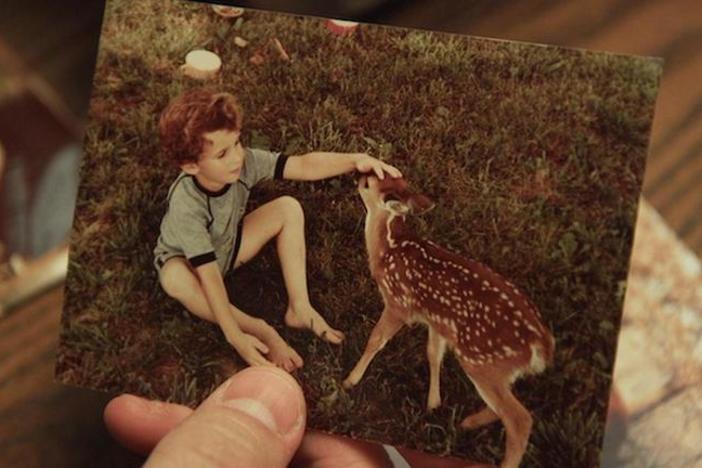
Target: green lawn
[(534, 155)]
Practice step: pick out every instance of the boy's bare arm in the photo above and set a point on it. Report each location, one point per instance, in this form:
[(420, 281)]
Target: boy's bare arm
[(248, 346), (321, 165)]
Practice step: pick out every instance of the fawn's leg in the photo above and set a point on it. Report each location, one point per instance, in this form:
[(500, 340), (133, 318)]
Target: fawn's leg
[(514, 416), (284, 219), (181, 283), (485, 416), (481, 418), (383, 331), (518, 422), (436, 347)]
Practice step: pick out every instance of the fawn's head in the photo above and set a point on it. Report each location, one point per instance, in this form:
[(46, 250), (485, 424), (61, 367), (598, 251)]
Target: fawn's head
[(392, 196)]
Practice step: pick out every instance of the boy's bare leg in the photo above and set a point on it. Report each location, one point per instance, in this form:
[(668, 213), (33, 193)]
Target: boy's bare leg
[(283, 219), (181, 282)]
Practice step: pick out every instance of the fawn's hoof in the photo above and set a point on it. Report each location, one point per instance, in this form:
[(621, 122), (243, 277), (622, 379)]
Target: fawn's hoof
[(433, 403), (348, 383)]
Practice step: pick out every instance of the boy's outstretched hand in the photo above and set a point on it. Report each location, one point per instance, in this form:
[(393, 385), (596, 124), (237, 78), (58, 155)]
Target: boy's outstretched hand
[(366, 163)]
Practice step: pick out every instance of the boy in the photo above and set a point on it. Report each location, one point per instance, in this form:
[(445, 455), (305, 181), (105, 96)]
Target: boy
[(202, 236)]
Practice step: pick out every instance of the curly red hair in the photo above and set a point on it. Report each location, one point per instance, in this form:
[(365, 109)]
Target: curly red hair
[(192, 114)]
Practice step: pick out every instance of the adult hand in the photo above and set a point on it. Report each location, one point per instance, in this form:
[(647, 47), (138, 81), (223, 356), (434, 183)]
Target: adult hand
[(255, 419)]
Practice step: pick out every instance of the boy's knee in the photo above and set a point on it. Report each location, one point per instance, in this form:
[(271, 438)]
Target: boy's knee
[(291, 208), (172, 286)]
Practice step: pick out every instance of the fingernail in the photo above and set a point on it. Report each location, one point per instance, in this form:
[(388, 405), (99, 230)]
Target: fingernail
[(256, 410), (138, 404), (269, 395)]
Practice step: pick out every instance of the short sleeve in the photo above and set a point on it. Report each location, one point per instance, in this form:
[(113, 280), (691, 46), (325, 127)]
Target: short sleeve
[(190, 230), (264, 165)]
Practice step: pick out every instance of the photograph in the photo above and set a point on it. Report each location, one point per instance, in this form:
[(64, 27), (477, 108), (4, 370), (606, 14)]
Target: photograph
[(430, 232)]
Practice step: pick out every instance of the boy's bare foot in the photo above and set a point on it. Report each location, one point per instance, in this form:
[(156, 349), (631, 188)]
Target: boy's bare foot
[(283, 356), (277, 351), (307, 317)]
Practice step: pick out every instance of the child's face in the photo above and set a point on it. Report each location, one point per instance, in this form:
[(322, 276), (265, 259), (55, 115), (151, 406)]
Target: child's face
[(222, 157)]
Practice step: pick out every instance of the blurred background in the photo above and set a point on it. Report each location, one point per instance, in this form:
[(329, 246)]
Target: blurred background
[(47, 56)]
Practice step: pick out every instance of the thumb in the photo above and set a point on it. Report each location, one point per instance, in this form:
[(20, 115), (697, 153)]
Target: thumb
[(254, 419)]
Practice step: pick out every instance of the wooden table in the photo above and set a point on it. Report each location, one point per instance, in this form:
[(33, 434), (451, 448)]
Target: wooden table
[(42, 423)]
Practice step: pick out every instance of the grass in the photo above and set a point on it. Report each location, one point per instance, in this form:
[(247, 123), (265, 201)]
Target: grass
[(535, 156)]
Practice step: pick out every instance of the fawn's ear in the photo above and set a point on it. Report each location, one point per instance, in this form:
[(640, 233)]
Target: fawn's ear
[(397, 207), (419, 204)]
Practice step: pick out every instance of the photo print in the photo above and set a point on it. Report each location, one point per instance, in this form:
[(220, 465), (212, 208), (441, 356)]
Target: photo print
[(430, 232)]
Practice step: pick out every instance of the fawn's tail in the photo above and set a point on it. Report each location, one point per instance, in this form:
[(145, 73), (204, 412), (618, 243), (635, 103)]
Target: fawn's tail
[(542, 354)]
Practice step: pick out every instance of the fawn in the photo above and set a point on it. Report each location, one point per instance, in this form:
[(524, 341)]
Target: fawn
[(493, 329)]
